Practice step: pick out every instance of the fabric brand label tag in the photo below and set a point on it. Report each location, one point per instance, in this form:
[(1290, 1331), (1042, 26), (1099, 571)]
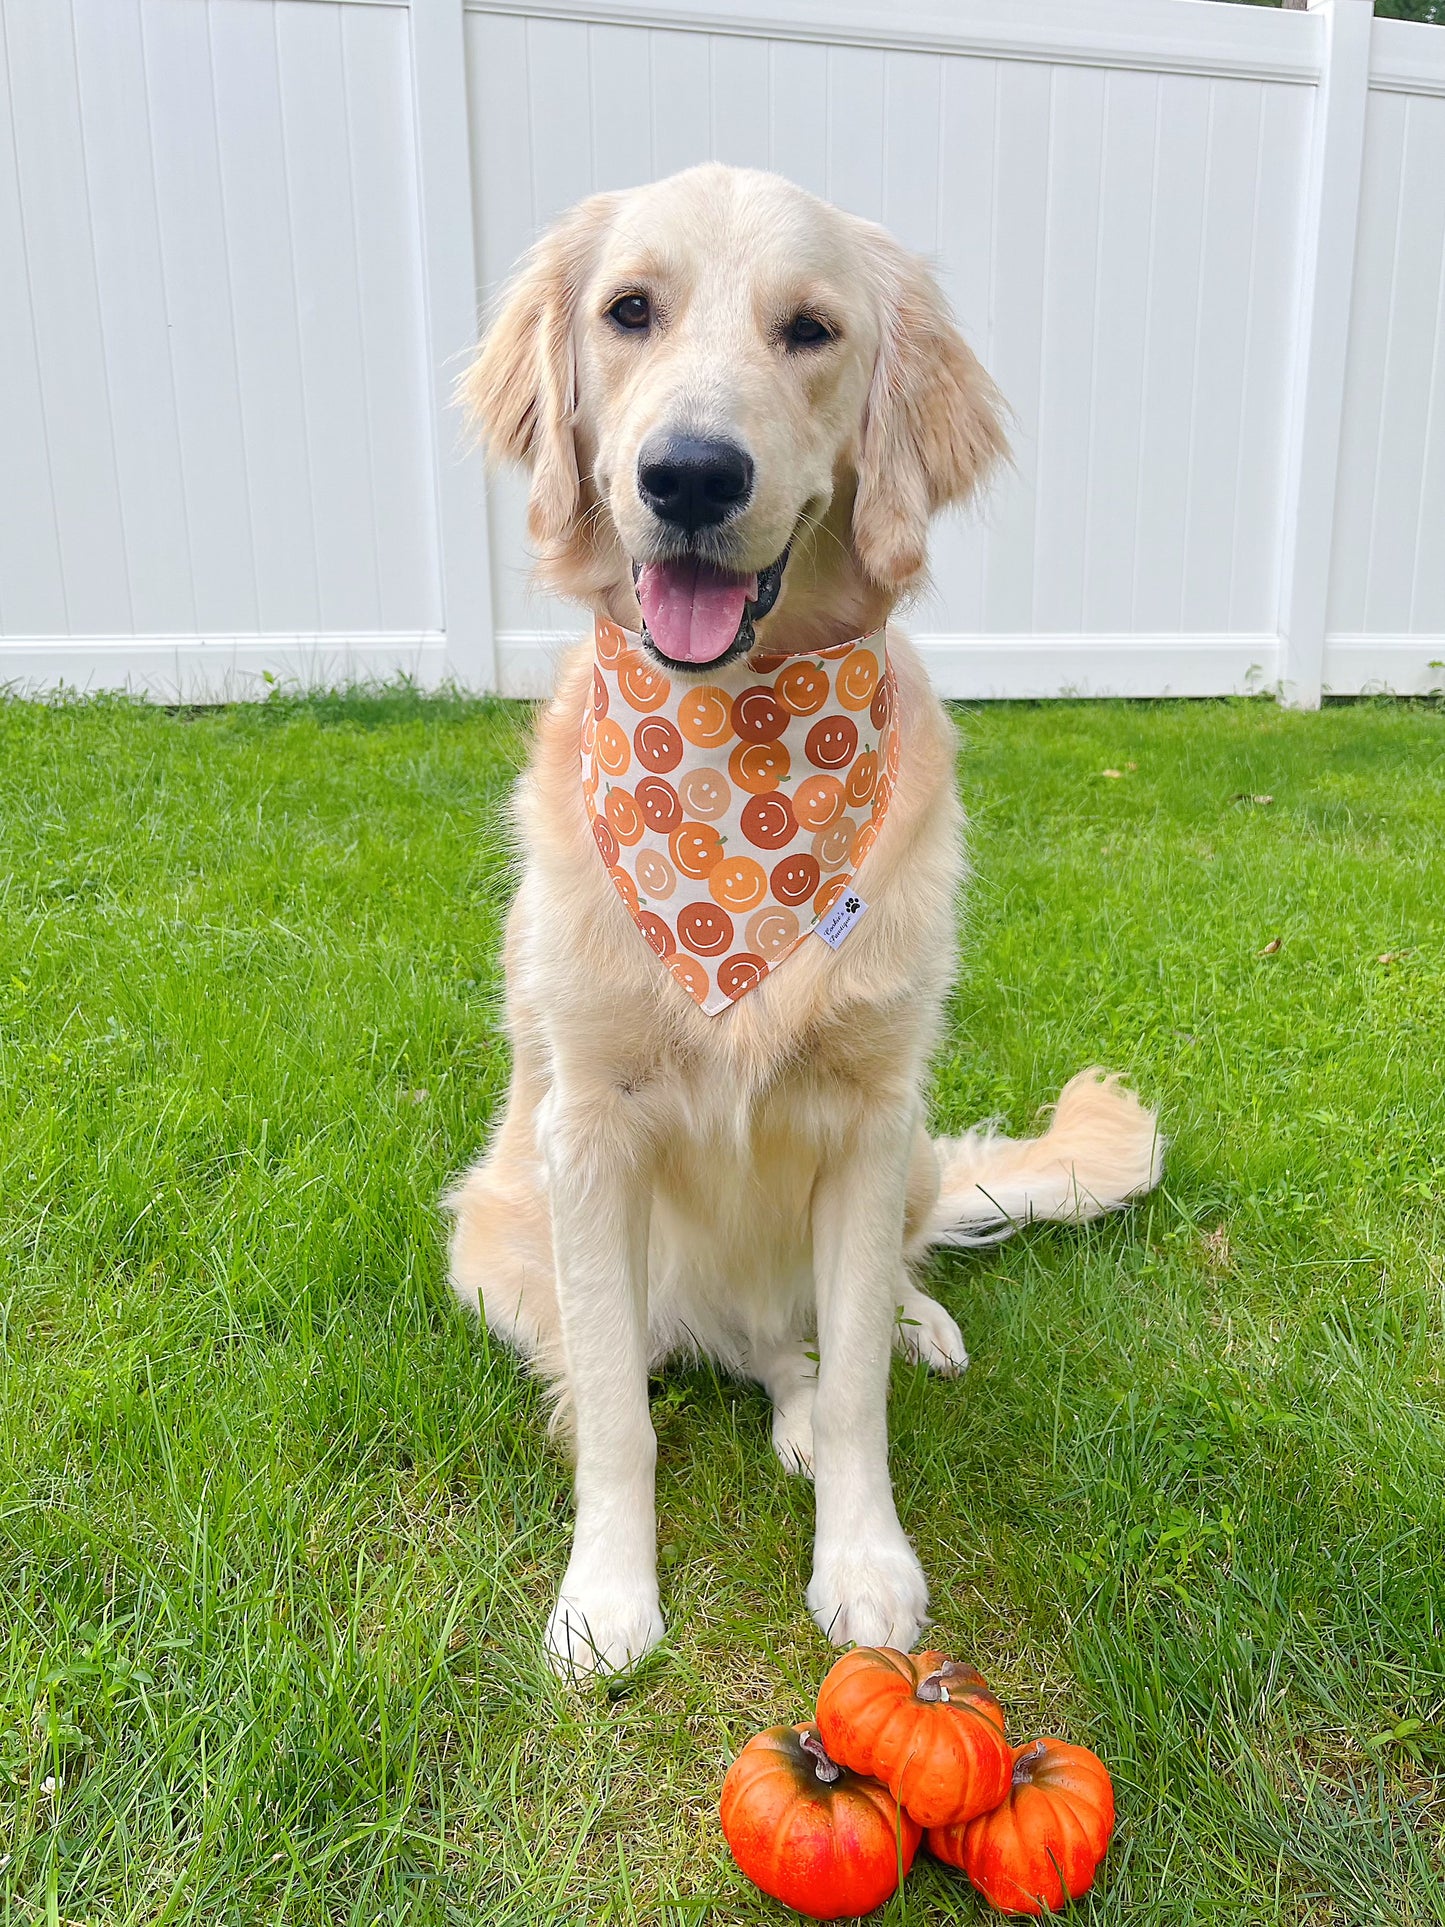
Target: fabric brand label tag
[(841, 918)]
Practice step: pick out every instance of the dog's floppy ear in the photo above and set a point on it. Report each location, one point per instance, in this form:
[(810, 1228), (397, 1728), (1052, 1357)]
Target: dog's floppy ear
[(931, 427), (520, 394)]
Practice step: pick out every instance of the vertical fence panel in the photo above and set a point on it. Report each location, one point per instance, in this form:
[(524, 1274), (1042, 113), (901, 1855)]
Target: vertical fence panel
[(1067, 349), (1257, 487), (201, 310), (120, 182), (68, 343), (1337, 153), (443, 151), (1128, 191), (266, 319), (1018, 268)]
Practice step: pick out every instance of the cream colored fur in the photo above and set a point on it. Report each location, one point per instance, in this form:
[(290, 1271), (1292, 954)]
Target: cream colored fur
[(758, 1186)]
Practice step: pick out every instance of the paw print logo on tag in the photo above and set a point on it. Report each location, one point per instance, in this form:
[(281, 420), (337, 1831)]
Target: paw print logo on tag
[(841, 918)]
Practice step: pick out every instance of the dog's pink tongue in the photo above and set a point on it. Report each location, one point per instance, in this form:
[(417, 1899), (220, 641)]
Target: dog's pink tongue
[(692, 611)]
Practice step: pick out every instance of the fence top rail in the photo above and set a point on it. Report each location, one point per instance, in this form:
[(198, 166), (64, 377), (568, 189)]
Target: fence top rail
[(1407, 57), (1161, 36)]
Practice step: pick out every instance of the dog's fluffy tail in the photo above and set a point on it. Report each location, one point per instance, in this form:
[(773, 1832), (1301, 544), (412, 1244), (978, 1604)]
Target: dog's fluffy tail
[(1102, 1148)]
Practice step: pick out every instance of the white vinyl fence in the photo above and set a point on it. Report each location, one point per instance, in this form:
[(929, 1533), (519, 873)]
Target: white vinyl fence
[(243, 244)]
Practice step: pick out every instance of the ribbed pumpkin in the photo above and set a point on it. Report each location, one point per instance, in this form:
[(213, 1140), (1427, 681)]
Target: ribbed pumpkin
[(926, 1726), (1043, 1844), (813, 1835)]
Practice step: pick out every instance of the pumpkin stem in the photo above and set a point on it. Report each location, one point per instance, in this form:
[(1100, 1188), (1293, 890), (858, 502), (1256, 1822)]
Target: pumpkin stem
[(1026, 1762), (934, 1688), (827, 1770)]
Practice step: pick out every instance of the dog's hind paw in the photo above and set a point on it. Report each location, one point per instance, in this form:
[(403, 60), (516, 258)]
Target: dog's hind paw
[(793, 1433), (926, 1334)]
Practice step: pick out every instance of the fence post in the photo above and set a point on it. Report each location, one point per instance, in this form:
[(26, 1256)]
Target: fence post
[(1331, 222), (449, 272)]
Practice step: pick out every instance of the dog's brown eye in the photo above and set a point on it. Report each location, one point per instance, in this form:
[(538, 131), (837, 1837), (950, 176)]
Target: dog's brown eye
[(632, 312), (807, 331)]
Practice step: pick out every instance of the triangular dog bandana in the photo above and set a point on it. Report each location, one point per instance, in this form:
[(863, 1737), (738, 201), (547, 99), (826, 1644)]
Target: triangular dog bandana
[(733, 812)]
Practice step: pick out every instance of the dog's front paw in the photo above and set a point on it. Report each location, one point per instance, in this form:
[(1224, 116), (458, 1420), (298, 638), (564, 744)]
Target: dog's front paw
[(602, 1627), (926, 1334), (873, 1594)]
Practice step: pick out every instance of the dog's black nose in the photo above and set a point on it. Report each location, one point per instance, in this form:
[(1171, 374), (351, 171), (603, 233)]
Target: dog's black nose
[(693, 483)]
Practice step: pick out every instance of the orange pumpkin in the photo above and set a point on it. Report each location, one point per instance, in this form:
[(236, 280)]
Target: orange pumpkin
[(1042, 1846), (808, 1832), (927, 1726)]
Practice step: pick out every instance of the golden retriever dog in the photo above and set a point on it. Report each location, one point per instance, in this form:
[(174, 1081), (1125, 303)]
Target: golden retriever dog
[(739, 408)]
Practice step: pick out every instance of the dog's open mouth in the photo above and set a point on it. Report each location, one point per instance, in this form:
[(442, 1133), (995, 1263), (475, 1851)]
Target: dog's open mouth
[(696, 615)]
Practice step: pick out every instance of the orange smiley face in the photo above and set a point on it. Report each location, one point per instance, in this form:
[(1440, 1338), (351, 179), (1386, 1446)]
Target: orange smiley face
[(656, 932), (613, 751), (796, 878), (624, 815), (831, 742), (696, 848), (659, 803), (768, 821), (658, 745), (691, 975), (758, 716), (705, 928), (655, 874), (604, 839), (863, 779), (705, 794), (818, 801), (738, 883), (612, 644), (856, 679), (644, 687), (759, 767), (833, 846), (705, 716), (740, 973), (625, 888), (802, 688), (863, 842), (771, 931)]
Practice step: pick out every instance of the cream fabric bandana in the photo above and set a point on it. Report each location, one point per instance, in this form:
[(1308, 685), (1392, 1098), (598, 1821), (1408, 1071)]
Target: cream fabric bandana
[(732, 813)]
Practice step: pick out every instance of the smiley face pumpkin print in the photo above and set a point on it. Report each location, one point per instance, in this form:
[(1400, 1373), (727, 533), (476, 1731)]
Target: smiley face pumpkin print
[(733, 813)]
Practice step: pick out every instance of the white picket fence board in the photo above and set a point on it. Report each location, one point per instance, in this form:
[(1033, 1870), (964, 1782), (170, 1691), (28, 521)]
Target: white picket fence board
[(243, 243)]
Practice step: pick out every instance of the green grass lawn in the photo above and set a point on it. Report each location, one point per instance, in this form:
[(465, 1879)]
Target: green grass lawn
[(278, 1530)]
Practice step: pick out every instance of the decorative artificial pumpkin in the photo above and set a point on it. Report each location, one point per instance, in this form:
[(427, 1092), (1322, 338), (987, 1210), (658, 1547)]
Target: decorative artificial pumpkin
[(927, 1726), (810, 1833), (1042, 1845)]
